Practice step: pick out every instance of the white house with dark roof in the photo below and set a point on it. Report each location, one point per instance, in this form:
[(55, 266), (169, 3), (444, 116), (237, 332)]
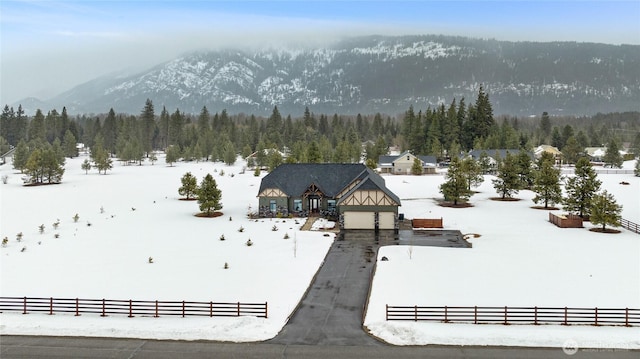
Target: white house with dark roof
[(351, 192)]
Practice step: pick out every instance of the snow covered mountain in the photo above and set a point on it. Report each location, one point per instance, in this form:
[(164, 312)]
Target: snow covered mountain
[(380, 74)]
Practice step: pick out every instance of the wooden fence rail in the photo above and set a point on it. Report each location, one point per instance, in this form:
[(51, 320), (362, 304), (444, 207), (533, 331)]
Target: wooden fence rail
[(633, 227), (131, 308), (516, 315)]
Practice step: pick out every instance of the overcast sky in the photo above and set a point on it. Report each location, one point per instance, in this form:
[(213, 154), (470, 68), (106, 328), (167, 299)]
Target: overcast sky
[(48, 47)]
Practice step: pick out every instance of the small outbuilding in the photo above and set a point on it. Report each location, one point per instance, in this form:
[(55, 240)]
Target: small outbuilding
[(352, 193)]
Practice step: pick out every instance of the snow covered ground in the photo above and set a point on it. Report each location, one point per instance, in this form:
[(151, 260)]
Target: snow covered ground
[(519, 259)]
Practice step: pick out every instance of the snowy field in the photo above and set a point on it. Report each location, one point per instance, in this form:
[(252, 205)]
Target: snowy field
[(109, 258), (520, 259)]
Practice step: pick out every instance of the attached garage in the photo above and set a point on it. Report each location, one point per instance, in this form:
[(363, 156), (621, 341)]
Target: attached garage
[(359, 220), (386, 220)]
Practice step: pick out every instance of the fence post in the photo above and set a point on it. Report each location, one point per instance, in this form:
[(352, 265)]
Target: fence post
[(130, 308), (210, 309), (24, 311), (415, 313), (475, 314), (626, 317), (183, 308), (446, 319), (156, 308), (50, 305), (238, 309), (535, 315), (596, 311), (104, 314), (565, 316), (77, 309), (386, 312), (505, 315), (266, 309)]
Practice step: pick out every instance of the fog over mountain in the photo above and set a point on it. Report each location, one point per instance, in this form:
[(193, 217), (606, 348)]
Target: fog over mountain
[(376, 74)]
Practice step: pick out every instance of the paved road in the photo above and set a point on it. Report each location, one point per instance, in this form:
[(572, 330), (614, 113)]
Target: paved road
[(16, 347)]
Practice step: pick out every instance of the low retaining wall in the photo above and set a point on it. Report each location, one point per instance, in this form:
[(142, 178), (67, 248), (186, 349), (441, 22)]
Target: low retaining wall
[(566, 220), (426, 223)]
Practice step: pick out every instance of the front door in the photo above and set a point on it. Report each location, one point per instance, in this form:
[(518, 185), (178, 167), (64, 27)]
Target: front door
[(314, 205)]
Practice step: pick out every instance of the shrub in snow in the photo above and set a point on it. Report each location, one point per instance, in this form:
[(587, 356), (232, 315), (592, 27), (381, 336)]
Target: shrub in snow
[(19, 237), (150, 259), (256, 173), (241, 229), (249, 243), (56, 224), (75, 218), (226, 265), (286, 236), (23, 249), (232, 175), (5, 240), (274, 228), (57, 235), (230, 219), (222, 237), (41, 228), (101, 209), (88, 224)]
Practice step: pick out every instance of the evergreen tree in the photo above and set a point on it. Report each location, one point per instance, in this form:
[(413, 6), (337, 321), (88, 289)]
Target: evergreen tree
[(20, 156), (581, 188), (636, 169), (189, 186), (571, 151), (605, 210), (37, 130), (545, 127), (109, 132), (508, 182), (482, 118), (172, 155), (148, 126), (525, 172), (274, 159), (230, 155), (455, 188), (69, 145), (102, 162), (313, 153), (416, 168), (472, 170), (612, 157), (209, 195), (547, 182), (86, 166)]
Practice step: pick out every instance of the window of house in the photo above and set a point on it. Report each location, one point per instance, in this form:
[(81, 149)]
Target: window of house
[(297, 205), (331, 204), (272, 205)]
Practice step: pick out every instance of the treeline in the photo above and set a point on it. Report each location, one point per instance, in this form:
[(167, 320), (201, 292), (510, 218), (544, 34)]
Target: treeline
[(441, 131)]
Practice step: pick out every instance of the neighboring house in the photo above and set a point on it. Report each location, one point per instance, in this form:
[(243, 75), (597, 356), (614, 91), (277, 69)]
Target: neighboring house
[(554, 151), (351, 192), (402, 164), (492, 156), (595, 154), (252, 158)]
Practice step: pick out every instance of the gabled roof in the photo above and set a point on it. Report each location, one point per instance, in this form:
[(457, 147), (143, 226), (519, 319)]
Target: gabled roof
[(476, 154), (369, 180), (387, 159), (294, 178), (331, 178)]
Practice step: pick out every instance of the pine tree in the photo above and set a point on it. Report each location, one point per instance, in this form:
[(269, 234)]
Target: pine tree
[(571, 151), (209, 195), (86, 166), (612, 157), (525, 173), (636, 169), (455, 188), (37, 130), (148, 126), (230, 154), (581, 188), (189, 186), (605, 210), (545, 127), (508, 182), (172, 155), (416, 168), (69, 145), (20, 156), (109, 132), (547, 182), (472, 170)]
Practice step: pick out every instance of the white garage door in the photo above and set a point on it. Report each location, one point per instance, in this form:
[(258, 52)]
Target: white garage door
[(359, 220), (386, 220)]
